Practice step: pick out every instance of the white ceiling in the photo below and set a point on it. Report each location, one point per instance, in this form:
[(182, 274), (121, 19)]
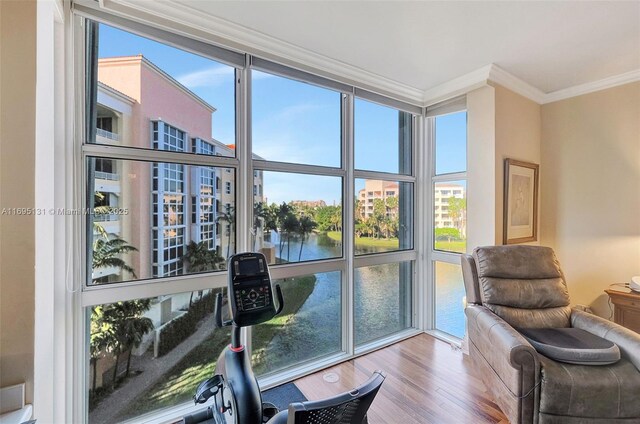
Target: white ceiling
[(550, 45)]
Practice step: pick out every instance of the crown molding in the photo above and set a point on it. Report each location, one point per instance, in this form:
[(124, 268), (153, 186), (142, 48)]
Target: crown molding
[(457, 86), (166, 14), (515, 84), (590, 87), (184, 19), (481, 77)]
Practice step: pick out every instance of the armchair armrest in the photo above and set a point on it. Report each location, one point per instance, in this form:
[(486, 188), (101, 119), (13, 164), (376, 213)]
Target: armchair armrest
[(507, 352), (627, 340)]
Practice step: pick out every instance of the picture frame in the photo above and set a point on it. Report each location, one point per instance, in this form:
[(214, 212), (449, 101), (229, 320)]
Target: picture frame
[(520, 218)]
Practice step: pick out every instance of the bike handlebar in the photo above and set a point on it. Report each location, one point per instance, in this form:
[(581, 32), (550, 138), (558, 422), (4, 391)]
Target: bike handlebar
[(198, 417), (218, 310), (280, 299)]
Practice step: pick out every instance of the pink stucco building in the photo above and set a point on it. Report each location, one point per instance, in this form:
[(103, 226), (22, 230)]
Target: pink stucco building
[(169, 205)]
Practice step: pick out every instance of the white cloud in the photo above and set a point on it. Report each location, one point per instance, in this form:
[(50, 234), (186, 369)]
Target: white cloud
[(210, 77), (214, 76)]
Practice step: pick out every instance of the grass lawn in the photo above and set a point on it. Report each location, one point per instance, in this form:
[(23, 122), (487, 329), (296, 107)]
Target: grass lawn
[(391, 243), (452, 246), (295, 292), (180, 382)]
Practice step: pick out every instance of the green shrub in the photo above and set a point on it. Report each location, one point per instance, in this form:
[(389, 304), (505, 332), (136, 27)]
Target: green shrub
[(447, 234), (176, 331)]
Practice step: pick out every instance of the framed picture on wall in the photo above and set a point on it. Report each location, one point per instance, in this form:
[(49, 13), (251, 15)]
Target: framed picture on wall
[(520, 202)]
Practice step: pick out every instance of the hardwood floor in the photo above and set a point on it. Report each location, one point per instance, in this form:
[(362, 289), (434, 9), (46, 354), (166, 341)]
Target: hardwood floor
[(427, 382)]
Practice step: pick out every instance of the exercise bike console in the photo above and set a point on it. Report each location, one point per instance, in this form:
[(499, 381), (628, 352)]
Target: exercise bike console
[(234, 388), (250, 290)]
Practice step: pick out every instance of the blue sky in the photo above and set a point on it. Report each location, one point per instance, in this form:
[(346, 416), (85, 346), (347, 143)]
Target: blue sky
[(292, 121)]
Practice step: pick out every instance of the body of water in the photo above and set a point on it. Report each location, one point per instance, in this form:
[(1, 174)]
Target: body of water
[(382, 304)]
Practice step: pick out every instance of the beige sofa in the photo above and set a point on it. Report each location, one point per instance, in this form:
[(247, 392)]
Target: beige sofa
[(511, 287)]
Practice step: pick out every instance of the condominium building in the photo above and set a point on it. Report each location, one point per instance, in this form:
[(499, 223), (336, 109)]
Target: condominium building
[(442, 216), (376, 189), (140, 105), (309, 203)]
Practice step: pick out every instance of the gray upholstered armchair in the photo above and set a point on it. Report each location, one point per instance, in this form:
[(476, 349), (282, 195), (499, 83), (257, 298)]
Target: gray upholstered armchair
[(512, 287)]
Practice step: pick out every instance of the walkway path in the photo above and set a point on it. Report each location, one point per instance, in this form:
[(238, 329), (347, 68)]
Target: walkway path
[(152, 370)]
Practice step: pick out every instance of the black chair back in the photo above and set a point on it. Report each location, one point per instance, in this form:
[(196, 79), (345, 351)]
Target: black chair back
[(345, 408)]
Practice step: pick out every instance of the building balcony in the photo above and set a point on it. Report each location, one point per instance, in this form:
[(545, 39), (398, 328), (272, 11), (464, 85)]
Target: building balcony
[(104, 272), (107, 176), (106, 137), (107, 182), (106, 217), (109, 222)]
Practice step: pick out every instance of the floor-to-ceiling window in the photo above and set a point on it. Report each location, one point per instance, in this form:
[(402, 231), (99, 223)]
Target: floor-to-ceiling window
[(153, 184), (297, 143), (215, 153), (447, 127), (383, 220)]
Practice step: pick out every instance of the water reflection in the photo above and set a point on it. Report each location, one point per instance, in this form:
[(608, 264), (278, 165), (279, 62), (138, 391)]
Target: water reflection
[(382, 305)]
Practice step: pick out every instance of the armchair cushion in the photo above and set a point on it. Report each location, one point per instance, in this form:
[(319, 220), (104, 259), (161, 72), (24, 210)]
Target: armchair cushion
[(628, 341), (523, 285), (572, 345), (609, 391), (533, 318), (517, 262), (526, 294)]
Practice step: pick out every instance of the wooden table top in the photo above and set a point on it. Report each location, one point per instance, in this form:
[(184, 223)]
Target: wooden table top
[(622, 292)]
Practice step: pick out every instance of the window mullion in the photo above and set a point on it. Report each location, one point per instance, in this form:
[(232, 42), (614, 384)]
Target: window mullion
[(164, 156), (348, 286), (430, 289), (147, 289), (297, 168), (373, 175), (449, 177), (244, 183), (313, 267), (420, 223)]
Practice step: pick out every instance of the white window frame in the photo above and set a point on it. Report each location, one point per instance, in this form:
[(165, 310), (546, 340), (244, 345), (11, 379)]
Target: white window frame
[(454, 105), (243, 165)]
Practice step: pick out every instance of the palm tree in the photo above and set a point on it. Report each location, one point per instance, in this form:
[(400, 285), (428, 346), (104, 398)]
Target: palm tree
[(112, 330), (305, 227), (128, 327), (106, 253), (358, 208), (264, 219), (282, 213), (228, 216), (368, 226), (391, 204), (379, 213), (336, 219), (289, 227), (200, 258), (101, 338), (457, 211)]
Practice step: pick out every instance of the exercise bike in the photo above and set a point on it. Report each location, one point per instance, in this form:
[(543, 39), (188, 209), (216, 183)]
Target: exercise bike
[(237, 398), (234, 388)]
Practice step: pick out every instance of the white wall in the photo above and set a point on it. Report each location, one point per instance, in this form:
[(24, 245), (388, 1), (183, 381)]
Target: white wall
[(481, 171), (590, 174), (517, 137), (501, 124), (17, 164)]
